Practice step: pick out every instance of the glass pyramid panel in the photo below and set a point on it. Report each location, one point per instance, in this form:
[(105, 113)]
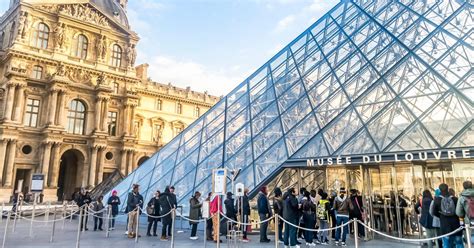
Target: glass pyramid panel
[(370, 76)]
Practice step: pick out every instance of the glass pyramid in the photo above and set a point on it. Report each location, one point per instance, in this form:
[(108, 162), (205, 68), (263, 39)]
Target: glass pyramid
[(368, 77)]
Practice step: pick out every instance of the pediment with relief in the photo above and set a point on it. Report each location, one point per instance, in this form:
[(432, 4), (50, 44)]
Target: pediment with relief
[(82, 12)]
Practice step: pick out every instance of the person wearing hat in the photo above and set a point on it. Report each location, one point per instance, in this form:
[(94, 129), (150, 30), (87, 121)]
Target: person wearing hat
[(230, 207), (113, 202), (342, 205)]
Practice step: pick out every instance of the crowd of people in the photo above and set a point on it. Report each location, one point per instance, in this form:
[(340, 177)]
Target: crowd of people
[(303, 211)]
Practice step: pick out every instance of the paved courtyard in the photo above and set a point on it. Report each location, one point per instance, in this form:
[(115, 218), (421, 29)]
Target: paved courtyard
[(66, 237)]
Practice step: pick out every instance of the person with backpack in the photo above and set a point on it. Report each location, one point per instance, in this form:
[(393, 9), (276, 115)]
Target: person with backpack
[(98, 214), (444, 207), (322, 213), (278, 209), (153, 211), (426, 220), (465, 206), (342, 205), (309, 210)]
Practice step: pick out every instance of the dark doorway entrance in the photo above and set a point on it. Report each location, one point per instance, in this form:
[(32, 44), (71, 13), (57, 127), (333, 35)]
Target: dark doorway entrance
[(70, 174), (142, 160)]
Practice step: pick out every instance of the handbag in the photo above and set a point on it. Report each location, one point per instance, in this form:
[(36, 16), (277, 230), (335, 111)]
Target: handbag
[(149, 210), (363, 213)]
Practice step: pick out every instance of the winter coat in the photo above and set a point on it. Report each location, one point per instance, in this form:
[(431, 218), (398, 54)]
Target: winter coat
[(215, 205), (114, 201), (278, 205), (165, 207), (229, 208), (462, 207), (263, 205), (194, 210), (245, 205), (98, 207), (134, 200), (426, 220), (154, 203), (357, 209), (342, 205), (447, 223), (290, 209), (83, 200), (173, 200)]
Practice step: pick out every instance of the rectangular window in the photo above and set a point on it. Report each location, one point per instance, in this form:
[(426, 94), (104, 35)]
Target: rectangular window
[(156, 132), (197, 112), (179, 108), (31, 112), (112, 123), (115, 88), (158, 104)]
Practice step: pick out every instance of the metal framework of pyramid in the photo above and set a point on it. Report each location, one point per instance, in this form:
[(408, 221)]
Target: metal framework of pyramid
[(368, 77)]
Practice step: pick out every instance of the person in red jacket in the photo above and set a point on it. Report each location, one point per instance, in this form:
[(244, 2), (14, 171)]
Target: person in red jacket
[(215, 206)]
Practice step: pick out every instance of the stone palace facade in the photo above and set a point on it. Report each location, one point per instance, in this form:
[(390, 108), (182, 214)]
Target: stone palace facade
[(73, 105)]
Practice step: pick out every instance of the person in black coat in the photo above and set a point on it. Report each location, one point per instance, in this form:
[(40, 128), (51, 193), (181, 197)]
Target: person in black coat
[(426, 220), (114, 203), (83, 201), (230, 207), (166, 205), (357, 211), (174, 204), (244, 204), (278, 209), (264, 212), (290, 214), (153, 209)]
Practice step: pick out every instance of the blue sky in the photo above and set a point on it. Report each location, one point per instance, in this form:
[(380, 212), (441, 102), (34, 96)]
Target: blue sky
[(213, 45)]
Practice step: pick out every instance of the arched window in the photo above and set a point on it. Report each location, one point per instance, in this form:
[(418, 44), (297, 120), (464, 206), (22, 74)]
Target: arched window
[(12, 34), (76, 117), (81, 46), (41, 36), (116, 55), (37, 72)]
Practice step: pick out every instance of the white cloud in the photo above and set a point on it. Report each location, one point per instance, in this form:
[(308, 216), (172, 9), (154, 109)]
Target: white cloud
[(183, 73), (284, 23)]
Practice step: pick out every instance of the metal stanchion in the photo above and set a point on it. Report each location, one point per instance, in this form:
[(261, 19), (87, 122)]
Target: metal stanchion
[(218, 223), (356, 233), (54, 226), (72, 211), (138, 224), (14, 219), (3, 207), (46, 215), (173, 216), (6, 228), (107, 232), (79, 227), (276, 230), (205, 233), (33, 216), (467, 227), (64, 215)]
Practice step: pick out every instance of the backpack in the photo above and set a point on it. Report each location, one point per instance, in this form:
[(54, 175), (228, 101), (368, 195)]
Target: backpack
[(448, 208), (470, 208), (321, 212)]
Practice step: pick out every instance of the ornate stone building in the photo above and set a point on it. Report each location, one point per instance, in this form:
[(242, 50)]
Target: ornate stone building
[(73, 106)]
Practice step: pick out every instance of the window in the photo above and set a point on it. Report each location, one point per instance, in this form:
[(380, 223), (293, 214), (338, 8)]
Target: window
[(115, 88), (41, 36), (179, 108), (156, 132), (116, 55), (177, 130), (12, 34), (76, 117), (112, 123), (158, 104), (31, 112), (2, 37), (197, 111), (82, 45), (37, 72)]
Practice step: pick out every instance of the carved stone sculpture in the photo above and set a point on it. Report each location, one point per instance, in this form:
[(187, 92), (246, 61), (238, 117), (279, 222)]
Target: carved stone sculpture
[(131, 54), (24, 24), (101, 46), (60, 70), (60, 31), (84, 13)]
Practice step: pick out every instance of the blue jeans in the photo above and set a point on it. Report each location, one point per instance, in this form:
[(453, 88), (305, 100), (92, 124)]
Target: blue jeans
[(453, 241), (342, 220), (290, 235)]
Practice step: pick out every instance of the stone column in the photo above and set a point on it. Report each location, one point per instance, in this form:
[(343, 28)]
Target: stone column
[(98, 104), (105, 111), (45, 162), (130, 162), (123, 163), (100, 173), (10, 163), (126, 120), (130, 127), (93, 166), (55, 165), (9, 102), (19, 103), (60, 117), (3, 152), (52, 106)]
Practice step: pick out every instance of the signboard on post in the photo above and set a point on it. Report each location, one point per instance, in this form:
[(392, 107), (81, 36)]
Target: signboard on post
[(37, 182), (239, 189), (205, 209), (219, 181)]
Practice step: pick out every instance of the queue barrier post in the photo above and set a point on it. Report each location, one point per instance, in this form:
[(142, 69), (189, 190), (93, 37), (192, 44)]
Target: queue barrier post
[(46, 215), (64, 215), (16, 214), (3, 207), (137, 224), (79, 226), (276, 230), (54, 225), (33, 216), (467, 227), (356, 233), (173, 216), (109, 211), (72, 211), (6, 228)]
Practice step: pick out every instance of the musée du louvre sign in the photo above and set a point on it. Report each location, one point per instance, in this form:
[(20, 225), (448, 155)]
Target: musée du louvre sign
[(444, 154)]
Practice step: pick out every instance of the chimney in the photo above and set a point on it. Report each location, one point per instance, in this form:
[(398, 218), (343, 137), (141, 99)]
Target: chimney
[(142, 71)]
